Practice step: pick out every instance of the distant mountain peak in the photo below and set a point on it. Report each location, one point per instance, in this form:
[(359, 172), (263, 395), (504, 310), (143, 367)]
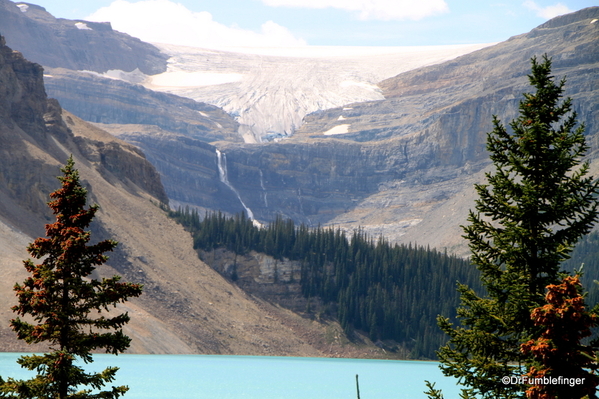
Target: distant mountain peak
[(74, 44)]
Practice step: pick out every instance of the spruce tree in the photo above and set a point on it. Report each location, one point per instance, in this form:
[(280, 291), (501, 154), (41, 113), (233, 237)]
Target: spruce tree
[(537, 204), (59, 297), (559, 351)]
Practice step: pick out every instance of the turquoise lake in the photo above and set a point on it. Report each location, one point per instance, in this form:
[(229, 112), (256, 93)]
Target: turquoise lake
[(257, 377)]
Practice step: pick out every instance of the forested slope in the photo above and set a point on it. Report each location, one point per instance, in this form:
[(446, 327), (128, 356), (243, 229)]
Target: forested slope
[(390, 292)]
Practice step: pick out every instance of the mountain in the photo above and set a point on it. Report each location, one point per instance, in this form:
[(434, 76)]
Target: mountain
[(269, 95), (76, 45), (401, 164), (398, 159), (77, 54), (430, 130), (186, 307)]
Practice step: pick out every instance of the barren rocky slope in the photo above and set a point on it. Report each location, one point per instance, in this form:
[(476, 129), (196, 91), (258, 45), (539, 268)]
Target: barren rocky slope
[(76, 45), (186, 306)]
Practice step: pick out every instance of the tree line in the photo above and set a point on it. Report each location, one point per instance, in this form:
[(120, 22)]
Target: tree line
[(389, 291)]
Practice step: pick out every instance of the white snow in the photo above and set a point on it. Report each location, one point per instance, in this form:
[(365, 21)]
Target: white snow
[(341, 118), (339, 51), (364, 85), (339, 129), (136, 76), (82, 26), (192, 79), (23, 7)]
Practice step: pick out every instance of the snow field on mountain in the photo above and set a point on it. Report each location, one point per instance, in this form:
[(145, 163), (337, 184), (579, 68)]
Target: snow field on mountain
[(269, 95)]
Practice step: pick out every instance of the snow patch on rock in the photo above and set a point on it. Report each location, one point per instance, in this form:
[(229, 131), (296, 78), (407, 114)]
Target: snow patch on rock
[(82, 26), (339, 129)]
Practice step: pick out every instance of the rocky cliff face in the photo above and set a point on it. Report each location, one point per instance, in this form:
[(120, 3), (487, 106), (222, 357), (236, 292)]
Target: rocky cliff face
[(29, 119), (76, 45), (100, 99)]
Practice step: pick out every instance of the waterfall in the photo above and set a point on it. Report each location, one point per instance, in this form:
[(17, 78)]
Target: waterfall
[(263, 188), (221, 159)]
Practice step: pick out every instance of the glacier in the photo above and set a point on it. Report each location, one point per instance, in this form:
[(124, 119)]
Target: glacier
[(269, 94)]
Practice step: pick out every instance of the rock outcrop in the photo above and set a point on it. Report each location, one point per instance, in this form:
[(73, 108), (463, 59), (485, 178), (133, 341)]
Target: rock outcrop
[(76, 45), (100, 99)]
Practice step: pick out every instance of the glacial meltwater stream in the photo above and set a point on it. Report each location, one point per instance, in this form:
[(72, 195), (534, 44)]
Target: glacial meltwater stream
[(221, 159)]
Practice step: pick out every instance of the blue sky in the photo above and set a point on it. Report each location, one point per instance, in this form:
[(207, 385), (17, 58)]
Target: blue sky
[(218, 23)]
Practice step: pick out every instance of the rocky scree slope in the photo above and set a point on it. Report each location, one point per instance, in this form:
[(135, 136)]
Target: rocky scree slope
[(186, 306)]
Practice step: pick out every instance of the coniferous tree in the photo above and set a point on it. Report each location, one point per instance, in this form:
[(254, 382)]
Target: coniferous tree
[(559, 352), (60, 298), (537, 205)]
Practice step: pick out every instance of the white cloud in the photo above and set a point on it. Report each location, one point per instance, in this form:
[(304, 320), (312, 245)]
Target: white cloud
[(549, 11), (164, 21), (373, 9)]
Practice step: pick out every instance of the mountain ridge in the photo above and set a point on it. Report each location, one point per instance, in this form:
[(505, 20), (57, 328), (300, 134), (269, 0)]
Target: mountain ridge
[(76, 45)]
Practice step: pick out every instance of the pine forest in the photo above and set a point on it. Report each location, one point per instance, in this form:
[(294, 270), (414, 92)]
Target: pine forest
[(389, 292)]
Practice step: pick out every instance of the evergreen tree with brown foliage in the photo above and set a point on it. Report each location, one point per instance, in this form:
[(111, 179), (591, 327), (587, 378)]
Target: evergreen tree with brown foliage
[(559, 352), (60, 298), (537, 204)]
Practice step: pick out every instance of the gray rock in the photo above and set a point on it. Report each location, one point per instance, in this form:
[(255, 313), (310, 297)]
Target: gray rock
[(77, 45)]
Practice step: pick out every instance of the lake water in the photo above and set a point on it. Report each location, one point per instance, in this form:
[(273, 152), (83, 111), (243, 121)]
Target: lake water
[(257, 377)]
